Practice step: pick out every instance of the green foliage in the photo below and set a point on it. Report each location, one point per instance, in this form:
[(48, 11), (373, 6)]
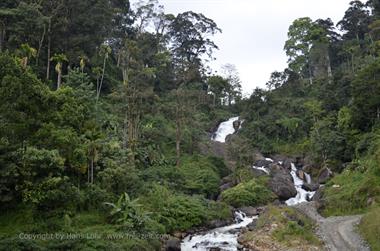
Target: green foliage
[(128, 214), (199, 176), (181, 212), (355, 187), (251, 193), (292, 225)]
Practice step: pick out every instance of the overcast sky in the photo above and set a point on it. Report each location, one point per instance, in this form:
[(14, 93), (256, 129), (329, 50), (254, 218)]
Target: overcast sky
[(254, 31)]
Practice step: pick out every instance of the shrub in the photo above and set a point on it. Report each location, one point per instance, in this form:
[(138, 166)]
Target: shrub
[(251, 193), (199, 176), (179, 211)]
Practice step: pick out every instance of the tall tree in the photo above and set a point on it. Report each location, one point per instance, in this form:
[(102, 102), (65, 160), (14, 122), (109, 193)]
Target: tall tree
[(189, 44)]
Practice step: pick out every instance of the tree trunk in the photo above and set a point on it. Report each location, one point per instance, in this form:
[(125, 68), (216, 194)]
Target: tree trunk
[(2, 37), (92, 170), (40, 45), (59, 81), (101, 80), (310, 76), (48, 52), (329, 71), (178, 131)]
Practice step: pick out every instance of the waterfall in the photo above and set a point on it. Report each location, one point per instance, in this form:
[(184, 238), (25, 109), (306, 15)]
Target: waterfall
[(225, 128), (302, 195)]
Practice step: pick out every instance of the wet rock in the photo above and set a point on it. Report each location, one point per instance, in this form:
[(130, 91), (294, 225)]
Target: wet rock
[(324, 175), (251, 226), (236, 124), (257, 173), (308, 169), (249, 211), (281, 183), (219, 223), (318, 194), (234, 231), (215, 249), (226, 186), (310, 187), (301, 175), (287, 163), (262, 163), (173, 244), (299, 163), (257, 156)]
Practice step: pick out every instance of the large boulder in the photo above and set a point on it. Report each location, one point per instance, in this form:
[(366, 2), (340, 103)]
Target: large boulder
[(324, 175), (310, 187), (301, 175), (262, 163), (236, 124), (287, 164), (173, 244), (281, 183), (318, 194), (257, 173), (249, 211), (226, 186)]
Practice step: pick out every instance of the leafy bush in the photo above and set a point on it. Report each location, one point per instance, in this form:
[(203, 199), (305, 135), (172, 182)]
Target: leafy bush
[(120, 178), (128, 214), (199, 177), (251, 193), (181, 212), (195, 175)]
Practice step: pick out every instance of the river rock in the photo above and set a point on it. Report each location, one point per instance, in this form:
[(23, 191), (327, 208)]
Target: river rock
[(299, 163), (173, 244), (219, 223), (281, 183), (251, 226), (236, 124), (226, 186), (308, 169), (287, 163), (257, 156), (318, 194), (262, 163), (249, 211), (257, 173), (301, 175), (324, 175), (215, 249), (310, 187)]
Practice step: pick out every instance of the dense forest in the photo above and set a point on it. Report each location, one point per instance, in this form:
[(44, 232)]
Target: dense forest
[(106, 109)]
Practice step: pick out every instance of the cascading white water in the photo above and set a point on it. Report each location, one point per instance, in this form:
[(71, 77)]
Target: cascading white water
[(302, 194), (308, 178), (261, 168), (224, 238), (225, 128)]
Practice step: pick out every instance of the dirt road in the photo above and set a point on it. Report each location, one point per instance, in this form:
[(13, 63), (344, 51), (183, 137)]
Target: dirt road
[(338, 233)]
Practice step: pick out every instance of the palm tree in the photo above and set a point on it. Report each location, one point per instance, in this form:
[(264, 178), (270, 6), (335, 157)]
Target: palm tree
[(26, 53), (105, 51), (60, 59)]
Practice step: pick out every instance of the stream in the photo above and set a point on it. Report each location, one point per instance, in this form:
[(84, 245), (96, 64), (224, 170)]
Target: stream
[(225, 238)]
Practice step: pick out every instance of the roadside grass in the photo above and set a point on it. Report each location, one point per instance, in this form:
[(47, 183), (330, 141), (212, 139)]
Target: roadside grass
[(369, 227), (293, 227)]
